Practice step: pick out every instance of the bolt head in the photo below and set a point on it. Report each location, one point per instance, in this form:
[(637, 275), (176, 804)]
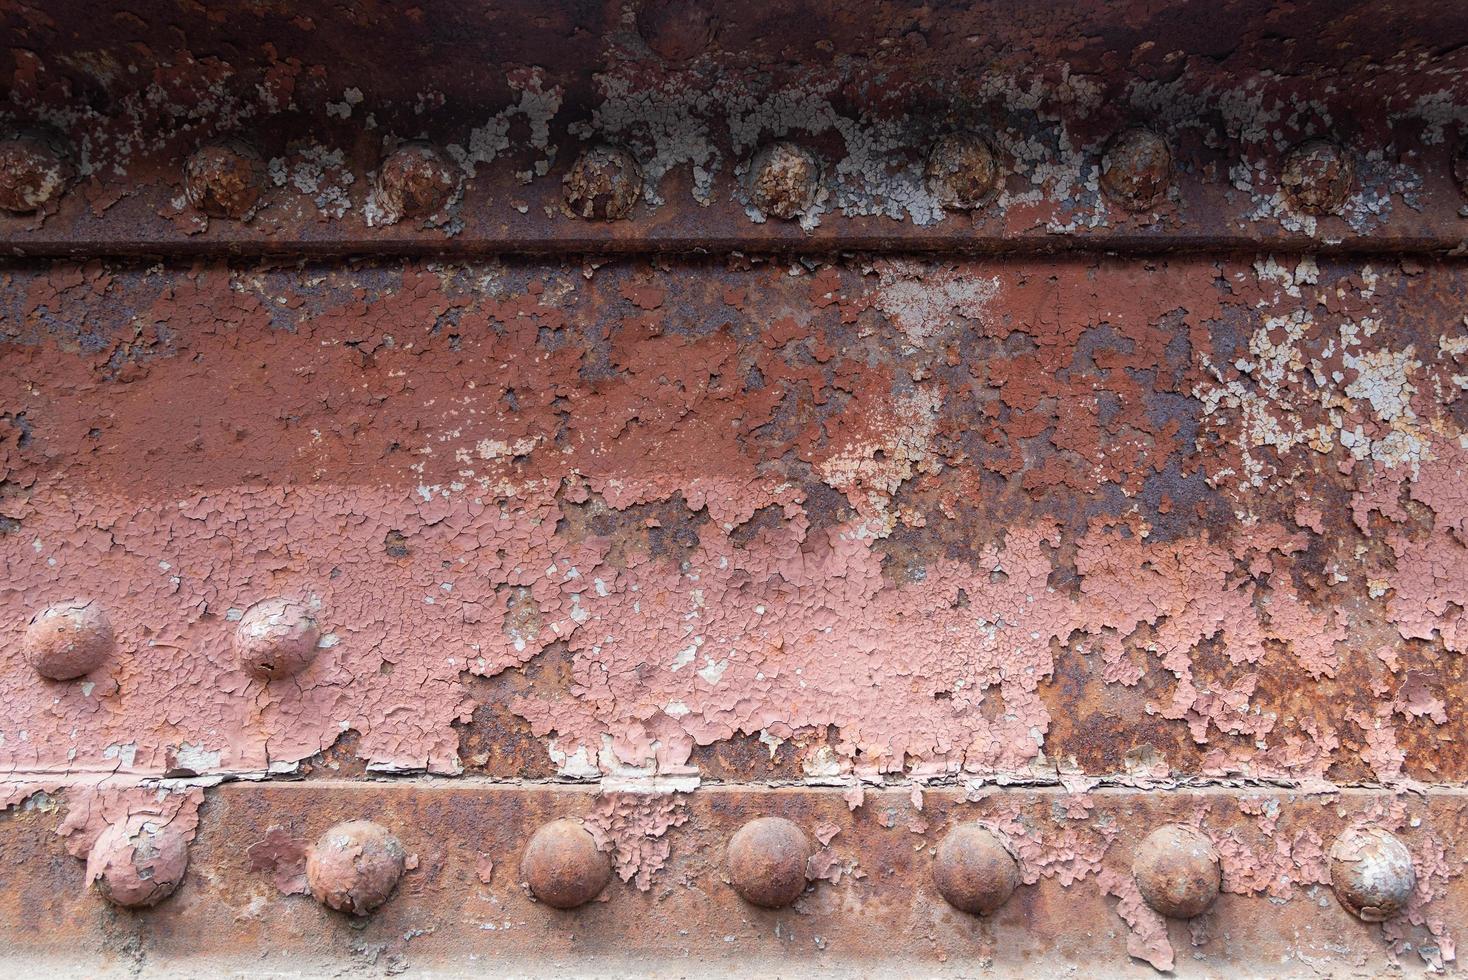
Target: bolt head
[(276, 638), (224, 179), (354, 866), (784, 179), (414, 181), (604, 183), (961, 171), (1136, 168), (1371, 872), (1177, 871), (34, 171), (138, 863), (563, 865), (1318, 177), (676, 30), (767, 861), (69, 639), (975, 871)]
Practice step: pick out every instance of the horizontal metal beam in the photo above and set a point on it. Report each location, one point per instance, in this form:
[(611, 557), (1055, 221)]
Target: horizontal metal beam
[(872, 904), (264, 134), (1037, 207)]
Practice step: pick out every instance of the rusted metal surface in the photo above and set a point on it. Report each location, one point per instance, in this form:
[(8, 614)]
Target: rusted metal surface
[(562, 865), (974, 869), (663, 433), (354, 866), (872, 904), (1372, 873), (1177, 871), (767, 860), (514, 94)]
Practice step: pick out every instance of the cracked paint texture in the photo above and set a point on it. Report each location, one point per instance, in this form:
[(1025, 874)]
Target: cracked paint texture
[(1090, 519), (938, 523)]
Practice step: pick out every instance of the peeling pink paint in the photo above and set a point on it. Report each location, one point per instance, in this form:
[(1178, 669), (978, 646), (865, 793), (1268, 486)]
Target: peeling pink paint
[(90, 810), (779, 620), (1147, 936), (632, 827)]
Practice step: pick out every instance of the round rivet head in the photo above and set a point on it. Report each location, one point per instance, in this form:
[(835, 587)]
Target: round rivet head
[(354, 866), (34, 170), (961, 171), (563, 865), (676, 30), (1136, 168), (69, 639), (1371, 872), (1177, 871), (137, 863), (974, 869), (784, 180), (276, 638), (1318, 176), (767, 862), (224, 179), (415, 180), (604, 183)]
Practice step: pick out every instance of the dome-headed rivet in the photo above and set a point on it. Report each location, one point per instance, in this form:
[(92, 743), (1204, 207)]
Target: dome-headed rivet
[(974, 869), (224, 179), (1318, 176), (1371, 872), (961, 171), (784, 179), (1177, 871), (354, 866), (34, 171), (414, 181), (767, 861), (563, 865), (276, 638), (1136, 168), (138, 862), (604, 183), (68, 639), (676, 30)]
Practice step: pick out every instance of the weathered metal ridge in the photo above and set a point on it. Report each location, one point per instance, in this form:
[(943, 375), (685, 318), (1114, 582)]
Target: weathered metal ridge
[(282, 130), (486, 877)]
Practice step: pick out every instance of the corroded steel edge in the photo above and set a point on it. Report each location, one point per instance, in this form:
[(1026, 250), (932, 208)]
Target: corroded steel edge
[(872, 906), (1051, 205), (523, 89), (1204, 215)]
